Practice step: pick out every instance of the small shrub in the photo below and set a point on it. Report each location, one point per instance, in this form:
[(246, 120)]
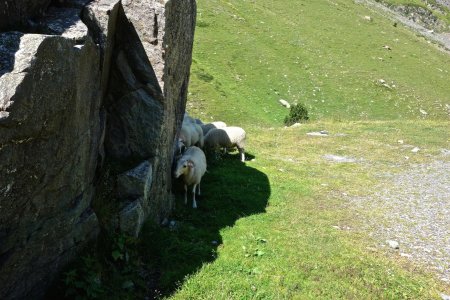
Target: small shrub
[(297, 113)]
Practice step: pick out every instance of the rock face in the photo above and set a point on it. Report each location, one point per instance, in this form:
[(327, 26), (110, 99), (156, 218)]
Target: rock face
[(87, 95)]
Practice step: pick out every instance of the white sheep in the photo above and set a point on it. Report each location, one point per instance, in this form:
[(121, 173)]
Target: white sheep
[(212, 125), (191, 134), (192, 165), (228, 137), (191, 119)]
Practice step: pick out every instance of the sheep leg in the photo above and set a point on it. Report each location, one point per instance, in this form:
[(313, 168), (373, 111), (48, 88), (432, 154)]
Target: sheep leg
[(194, 203), (198, 189), (185, 194), (241, 151)]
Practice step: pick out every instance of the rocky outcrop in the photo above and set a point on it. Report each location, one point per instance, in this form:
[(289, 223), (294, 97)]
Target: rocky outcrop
[(87, 103)]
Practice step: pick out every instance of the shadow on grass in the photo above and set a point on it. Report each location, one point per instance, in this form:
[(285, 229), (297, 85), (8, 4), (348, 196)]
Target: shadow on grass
[(230, 191)]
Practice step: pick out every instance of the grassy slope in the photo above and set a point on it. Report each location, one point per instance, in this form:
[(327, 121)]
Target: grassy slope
[(273, 217)]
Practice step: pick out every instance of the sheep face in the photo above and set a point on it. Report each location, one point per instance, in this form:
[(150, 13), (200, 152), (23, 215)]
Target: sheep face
[(183, 167)]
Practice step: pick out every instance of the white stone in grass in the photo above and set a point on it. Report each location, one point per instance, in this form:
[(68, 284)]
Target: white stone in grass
[(393, 244), (296, 125), (284, 103), (445, 297), (317, 133), (423, 112), (339, 159), (415, 150)]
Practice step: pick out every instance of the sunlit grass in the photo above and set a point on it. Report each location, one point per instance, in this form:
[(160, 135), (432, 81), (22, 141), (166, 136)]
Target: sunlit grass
[(276, 227)]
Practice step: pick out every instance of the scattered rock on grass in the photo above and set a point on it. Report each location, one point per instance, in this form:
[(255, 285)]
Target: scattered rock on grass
[(284, 103), (318, 133), (415, 150), (445, 297), (339, 159), (393, 244)]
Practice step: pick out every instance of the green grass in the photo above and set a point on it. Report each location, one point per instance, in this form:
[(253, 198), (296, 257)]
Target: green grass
[(265, 229)]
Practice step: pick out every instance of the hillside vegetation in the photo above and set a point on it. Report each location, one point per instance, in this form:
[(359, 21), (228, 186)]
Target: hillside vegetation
[(279, 227)]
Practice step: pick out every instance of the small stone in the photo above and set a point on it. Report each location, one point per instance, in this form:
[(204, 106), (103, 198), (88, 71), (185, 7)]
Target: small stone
[(445, 152), (405, 255), (340, 159), (215, 243), (284, 103), (393, 244), (423, 112), (316, 134), (368, 18), (400, 142), (415, 150), (296, 125), (387, 47), (445, 297)]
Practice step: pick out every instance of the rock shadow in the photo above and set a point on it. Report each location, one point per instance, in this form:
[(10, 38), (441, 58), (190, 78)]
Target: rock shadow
[(231, 190)]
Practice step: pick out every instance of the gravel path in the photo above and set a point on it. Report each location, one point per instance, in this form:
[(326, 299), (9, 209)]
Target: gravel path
[(413, 210)]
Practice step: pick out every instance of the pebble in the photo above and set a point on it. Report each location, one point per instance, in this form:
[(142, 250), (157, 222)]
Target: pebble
[(317, 133), (445, 297), (405, 255), (340, 159), (393, 244), (284, 103), (415, 150), (445, 152), (296, 125)]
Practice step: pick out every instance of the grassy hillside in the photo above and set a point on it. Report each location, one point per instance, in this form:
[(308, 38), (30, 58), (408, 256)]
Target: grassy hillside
[(278, 227), (249, 54)]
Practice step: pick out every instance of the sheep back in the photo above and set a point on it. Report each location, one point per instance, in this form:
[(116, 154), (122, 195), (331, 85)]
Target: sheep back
[(226, 137), (207, 127)]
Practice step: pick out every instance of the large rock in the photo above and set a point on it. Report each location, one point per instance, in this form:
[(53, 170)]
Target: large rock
[(49, 137), (108, 90)]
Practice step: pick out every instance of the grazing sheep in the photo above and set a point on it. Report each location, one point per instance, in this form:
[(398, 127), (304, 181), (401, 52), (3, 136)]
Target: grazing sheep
[(190, 119), (228, 137), (192, 165), (191, 134), (209, 126)]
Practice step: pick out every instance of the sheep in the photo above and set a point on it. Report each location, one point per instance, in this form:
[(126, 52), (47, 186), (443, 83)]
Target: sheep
[(191, 134), (190, 119), (192, 165), (228, 137), (209, 126)]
